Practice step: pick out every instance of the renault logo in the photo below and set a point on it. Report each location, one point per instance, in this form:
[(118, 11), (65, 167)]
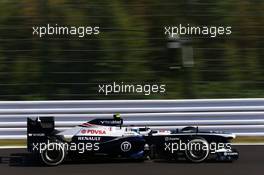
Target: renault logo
[(126, 146)]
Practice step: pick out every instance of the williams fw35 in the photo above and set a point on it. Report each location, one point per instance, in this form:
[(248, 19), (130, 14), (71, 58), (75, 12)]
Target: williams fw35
[(109, 138)]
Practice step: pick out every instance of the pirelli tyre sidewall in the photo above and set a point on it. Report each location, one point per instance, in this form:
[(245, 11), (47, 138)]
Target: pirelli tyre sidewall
[(197, 156), (52, 157)]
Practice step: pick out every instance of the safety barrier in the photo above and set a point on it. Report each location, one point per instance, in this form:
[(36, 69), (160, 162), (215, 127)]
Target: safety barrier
[(240, 116)]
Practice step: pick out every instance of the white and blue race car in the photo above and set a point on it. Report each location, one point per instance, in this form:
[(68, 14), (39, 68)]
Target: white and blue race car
[(110, 138)]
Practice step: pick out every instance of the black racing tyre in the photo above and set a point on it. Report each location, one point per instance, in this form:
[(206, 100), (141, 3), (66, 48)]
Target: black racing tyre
[(53, 157), (198, 150)]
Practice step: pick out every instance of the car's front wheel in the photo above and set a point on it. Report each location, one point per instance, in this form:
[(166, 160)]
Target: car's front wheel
[(197, 150)]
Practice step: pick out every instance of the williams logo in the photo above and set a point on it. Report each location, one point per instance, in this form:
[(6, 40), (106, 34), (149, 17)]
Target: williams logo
[(126, 146)]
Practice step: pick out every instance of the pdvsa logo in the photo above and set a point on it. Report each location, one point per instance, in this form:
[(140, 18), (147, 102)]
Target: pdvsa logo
[(92, 131), (126, 146)]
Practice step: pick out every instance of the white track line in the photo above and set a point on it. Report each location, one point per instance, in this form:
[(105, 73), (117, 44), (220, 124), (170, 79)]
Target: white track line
[(12, 147), (248, 144)]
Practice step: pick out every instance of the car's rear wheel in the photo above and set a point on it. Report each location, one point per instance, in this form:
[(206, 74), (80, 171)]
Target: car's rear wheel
[(197, 150), (53, 157)]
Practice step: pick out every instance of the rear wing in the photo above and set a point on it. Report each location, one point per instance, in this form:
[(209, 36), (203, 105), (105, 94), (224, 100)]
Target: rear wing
[(38, 130)]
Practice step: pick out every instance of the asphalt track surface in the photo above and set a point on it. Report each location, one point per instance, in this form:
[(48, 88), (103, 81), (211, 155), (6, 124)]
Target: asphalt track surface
[(251, 162)]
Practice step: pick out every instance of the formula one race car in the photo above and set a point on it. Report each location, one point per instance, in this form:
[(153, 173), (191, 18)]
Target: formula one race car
[(110, 138)]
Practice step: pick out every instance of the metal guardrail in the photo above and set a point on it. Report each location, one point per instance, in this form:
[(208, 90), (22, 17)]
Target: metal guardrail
[(240, 116), (129, 110)]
